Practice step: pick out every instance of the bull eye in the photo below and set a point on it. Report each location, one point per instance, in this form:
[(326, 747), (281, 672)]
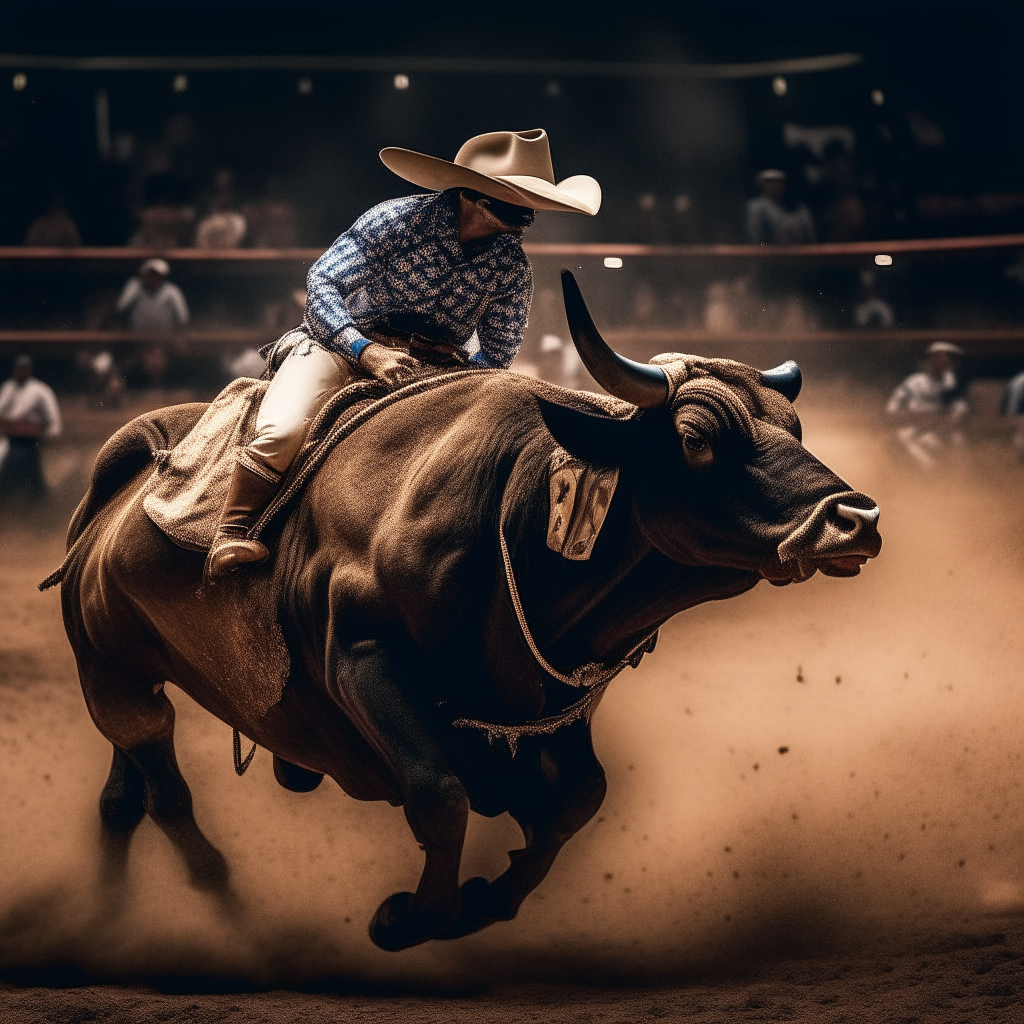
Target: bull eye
[(697, 451)]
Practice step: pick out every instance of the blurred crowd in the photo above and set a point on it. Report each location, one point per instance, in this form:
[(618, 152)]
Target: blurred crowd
[(930, 415), (169, 217), (828, 185)]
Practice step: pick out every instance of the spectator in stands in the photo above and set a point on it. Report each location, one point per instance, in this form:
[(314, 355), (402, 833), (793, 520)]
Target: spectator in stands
[(223, 227), (151, 302), (246, 362), (845, 216), (272, 220), (28, 414), (1013, 405), (56, 227), (931, 405), (560, 363), (167, 218), (872, 311), (102, 375), (774, 219), (283, 314)]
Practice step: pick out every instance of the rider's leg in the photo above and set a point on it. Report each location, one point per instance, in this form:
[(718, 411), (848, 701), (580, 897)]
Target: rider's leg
[(306, 379)]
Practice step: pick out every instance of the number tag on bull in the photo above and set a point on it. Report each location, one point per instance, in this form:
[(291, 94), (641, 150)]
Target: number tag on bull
[(580, 497)]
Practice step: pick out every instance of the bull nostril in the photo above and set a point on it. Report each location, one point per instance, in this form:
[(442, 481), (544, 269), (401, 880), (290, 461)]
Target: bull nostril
[(860, 517), (835, 529)]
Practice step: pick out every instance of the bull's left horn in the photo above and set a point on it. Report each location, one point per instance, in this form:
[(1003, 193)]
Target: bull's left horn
[(639, 383), (785, 378)]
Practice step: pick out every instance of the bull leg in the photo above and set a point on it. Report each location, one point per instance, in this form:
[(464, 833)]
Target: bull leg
[(169, 803), (568, 794), (138, 718), (436, 804), (122, 806)]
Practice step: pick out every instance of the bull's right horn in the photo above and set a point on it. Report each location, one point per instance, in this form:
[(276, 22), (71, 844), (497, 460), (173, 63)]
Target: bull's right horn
[(785, 378), (639, 383)]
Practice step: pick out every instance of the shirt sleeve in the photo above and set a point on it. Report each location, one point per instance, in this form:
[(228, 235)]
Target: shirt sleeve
[(129, 294), (6, 393), (51, 412), (343, 269), (503, 325), (756, 231), (810, 234), (179, 307), (900, 398)]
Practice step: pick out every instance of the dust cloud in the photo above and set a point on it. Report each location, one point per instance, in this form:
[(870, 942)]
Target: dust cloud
[(825, 767)]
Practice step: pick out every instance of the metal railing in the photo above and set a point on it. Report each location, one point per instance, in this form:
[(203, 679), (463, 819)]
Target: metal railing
[(692, 262)]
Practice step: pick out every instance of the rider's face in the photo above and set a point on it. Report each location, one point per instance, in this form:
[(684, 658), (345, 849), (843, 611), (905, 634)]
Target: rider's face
[(513, 219)]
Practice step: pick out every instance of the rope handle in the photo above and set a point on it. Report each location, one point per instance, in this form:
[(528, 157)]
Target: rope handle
[(593, 673)]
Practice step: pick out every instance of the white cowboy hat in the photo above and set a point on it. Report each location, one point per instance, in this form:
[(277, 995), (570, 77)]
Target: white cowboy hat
[(161, 267), (514, 167)]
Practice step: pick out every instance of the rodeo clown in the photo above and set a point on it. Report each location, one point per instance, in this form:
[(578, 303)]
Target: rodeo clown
[(438, 278)]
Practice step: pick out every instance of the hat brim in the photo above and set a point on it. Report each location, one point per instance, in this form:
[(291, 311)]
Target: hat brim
[(579, 194), (945, 346)]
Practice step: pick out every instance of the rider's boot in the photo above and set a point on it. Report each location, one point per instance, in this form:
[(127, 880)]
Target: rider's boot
[(250, 492)]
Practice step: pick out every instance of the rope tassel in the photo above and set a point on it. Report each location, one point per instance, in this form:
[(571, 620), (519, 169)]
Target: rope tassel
[(240, 765)]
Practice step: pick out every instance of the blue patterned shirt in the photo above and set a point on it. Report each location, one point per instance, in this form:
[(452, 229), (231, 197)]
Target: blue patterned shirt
[(401, 268)]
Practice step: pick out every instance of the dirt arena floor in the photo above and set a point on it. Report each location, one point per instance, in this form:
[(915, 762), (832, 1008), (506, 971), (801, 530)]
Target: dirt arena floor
[(814, 809)]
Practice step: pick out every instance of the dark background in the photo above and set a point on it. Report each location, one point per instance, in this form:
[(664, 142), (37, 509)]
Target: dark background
[(956, 67)]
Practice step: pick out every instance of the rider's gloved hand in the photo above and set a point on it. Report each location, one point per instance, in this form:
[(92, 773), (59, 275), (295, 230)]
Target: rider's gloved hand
[(388, 364)]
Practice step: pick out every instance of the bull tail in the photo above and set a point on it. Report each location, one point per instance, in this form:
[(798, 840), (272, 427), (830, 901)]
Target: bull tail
[(143, 441)]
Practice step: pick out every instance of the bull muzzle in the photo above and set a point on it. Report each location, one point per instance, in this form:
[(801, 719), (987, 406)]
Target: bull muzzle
[(837, 538)]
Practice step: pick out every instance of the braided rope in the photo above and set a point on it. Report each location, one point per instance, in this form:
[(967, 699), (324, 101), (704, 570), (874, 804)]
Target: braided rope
[(593, 676)]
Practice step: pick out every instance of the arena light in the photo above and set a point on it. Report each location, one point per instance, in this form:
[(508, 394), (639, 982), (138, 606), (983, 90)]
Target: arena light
[(883, 261), (19, 82), (613, 262), (877, 97), (780, 86), (401, 81), (553, 88), (180, 83), (304, 86)]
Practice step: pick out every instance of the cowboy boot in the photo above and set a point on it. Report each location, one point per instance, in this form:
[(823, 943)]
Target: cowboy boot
[(248, 495)]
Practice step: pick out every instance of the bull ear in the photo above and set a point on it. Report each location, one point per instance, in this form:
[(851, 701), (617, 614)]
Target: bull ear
[(602, 440)]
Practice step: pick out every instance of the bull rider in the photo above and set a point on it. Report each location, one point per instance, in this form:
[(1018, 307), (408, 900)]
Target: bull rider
[(440, 278)]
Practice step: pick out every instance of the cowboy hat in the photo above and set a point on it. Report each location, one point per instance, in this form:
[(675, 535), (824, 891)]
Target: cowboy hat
[(945, 346), (514, 167)]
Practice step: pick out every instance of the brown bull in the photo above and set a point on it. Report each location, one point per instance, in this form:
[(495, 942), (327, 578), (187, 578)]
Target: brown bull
[(397, 614)]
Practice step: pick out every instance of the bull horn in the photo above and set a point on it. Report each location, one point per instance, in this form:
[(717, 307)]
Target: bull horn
[(639, 383), (785, 378)]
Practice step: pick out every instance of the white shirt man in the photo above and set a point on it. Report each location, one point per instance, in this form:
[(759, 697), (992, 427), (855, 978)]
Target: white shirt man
[(28, 401), (151, 302), (772, 219), (28, 413), (931, 405), (924, 392)]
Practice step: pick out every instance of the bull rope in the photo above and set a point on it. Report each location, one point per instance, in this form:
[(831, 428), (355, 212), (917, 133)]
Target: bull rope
[(594, 676)]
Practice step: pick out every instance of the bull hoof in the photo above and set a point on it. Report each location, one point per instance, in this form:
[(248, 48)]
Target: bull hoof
[(480, 908), (295, 778), (397, 925)]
